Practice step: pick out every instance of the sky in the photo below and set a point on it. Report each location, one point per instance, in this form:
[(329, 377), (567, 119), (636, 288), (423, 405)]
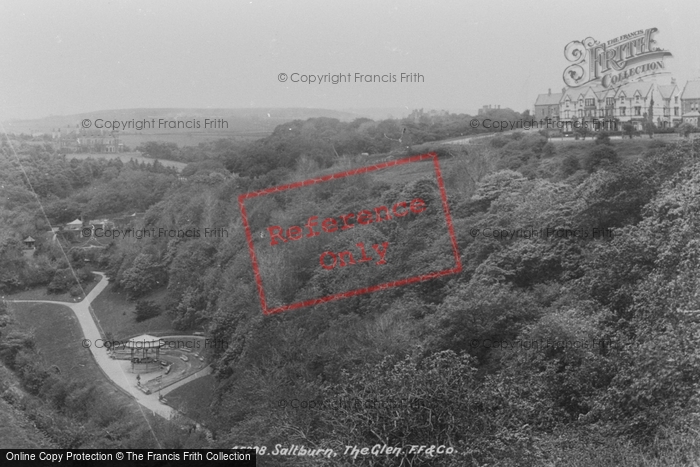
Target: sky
[(61, 58)]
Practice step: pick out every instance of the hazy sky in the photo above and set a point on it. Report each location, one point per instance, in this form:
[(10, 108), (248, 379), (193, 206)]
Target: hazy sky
[(67, 57)]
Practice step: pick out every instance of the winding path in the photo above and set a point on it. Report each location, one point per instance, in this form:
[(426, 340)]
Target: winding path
[(111, 367)]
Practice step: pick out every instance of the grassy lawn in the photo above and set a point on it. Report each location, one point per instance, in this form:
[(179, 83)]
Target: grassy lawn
[(58, 339), (193, 138), (40, 293), (116, 314), (193, 398)]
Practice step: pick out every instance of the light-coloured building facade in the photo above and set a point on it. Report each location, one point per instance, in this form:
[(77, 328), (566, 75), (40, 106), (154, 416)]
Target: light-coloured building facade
[(690, 99), (636, 103)]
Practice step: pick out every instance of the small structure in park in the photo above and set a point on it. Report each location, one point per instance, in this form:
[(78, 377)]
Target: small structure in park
[(145, 353), (75, 225)]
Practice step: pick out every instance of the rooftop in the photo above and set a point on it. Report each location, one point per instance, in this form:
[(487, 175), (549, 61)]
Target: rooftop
[(548, 99), (145, 341), (691, 90)]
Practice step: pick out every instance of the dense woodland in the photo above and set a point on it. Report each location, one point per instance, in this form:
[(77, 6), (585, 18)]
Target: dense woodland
[(633, 394)]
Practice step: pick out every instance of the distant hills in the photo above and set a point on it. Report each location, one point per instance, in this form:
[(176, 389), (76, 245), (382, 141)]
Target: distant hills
[(241, 122)]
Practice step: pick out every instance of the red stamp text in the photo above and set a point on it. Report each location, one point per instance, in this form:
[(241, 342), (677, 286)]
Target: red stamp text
[(309, 245)]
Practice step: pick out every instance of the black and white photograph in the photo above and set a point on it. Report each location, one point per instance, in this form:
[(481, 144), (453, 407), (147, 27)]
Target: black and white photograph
[(391, 233)]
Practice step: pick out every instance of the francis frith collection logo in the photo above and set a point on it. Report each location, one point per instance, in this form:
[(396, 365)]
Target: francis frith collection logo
[(615, 62)]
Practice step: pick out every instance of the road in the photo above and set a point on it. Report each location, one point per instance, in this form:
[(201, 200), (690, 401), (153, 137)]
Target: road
[(111, 367), (471, 139)]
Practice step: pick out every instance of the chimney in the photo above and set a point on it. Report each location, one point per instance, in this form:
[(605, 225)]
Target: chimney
[(549, 92)]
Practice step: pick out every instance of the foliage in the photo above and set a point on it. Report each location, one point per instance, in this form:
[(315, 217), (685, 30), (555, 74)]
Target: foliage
[(628, 130), (684, 129), (600, 157), (549, 150), (570, 165), (144, 275), (479, 352), (603, 138), (62, 281), (146, 309)]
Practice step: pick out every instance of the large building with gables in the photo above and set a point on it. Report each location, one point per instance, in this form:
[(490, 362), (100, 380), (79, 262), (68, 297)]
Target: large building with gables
[(666, 105), (80, 139), (617, 82)]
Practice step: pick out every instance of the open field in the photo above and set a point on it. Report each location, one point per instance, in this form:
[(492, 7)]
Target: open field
[(183, 138), (116, 314), (40, 293), (125, 157)]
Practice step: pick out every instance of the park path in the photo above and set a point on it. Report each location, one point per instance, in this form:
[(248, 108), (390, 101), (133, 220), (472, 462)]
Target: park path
[(111, 367)]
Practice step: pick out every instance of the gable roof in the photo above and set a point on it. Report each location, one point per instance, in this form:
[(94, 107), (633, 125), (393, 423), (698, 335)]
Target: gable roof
[(29, 239), (588, 92), (548, 99), (604, 93), (667, 90), (574, 94), (641, 87), (600, 91), (75, 222), (691, 90)]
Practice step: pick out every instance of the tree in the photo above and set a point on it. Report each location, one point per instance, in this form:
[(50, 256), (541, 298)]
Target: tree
[(649, 124), (570, 164), (649, 128), (62, 281), (603, 138), (580, 128), (600, 156), (438, 403), (143, 276), (495, 184), (146, 309), (548, 150), (685, 129), (584, 130), (628, 130)]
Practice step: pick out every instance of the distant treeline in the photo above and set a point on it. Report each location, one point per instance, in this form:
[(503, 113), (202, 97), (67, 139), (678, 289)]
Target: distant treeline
[(324, 139)]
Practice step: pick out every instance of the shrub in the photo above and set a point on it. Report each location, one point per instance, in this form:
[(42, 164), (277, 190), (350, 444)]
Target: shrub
[(548, 150), (603, 138), (39, 272), (684, 129), (628, 130), (570, 165), (62, 281), (146, 309), (601, 155)]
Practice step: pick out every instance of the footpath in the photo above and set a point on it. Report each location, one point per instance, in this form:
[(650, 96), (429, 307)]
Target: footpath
[(112, 368)]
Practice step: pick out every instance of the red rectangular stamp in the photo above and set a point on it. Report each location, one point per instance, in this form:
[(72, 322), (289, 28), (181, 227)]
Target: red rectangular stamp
[(350, 233)]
